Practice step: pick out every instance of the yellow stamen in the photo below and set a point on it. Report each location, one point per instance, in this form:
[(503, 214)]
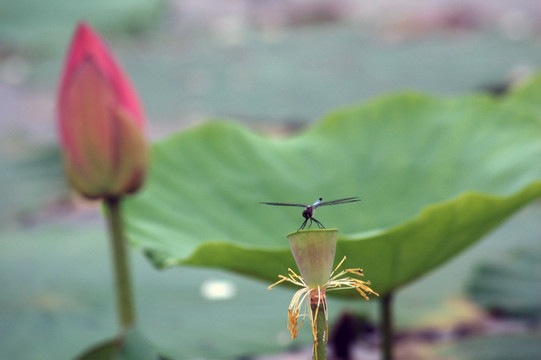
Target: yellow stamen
[(318, 296), (337, 266)]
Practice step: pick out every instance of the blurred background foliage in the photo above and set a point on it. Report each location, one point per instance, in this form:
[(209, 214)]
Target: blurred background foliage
[(276, 66)]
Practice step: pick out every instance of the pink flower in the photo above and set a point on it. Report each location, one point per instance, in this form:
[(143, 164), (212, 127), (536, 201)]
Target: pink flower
[(100, 120)]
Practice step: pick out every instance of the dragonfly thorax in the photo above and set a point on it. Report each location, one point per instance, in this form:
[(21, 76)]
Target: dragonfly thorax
[(308, 212)]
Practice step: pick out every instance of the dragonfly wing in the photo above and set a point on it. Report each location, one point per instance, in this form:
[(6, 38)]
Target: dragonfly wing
[(283, 204), (341, 201)]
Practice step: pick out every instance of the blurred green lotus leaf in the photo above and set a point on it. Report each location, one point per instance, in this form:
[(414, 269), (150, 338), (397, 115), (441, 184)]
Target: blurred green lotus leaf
[(509, 285), (495, 347), (434, 176), (129, 346)]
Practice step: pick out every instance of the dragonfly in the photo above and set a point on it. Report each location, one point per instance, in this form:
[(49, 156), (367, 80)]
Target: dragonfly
[(309, 210)]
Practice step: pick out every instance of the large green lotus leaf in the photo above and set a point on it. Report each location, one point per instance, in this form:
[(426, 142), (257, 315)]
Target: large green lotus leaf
[(434, 174), (528, 95)]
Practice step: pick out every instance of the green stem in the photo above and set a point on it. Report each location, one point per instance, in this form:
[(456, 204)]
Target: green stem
[(320, 340), (126, 315), (387, 326)]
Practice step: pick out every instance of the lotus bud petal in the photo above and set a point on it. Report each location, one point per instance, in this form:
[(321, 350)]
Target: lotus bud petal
[(100, 121)]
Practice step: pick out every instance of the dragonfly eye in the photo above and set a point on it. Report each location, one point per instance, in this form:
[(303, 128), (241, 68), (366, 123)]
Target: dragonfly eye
[(320, 199)]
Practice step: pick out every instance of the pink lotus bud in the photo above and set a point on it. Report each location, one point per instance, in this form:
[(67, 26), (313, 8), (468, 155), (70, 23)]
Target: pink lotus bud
[(100, 121)]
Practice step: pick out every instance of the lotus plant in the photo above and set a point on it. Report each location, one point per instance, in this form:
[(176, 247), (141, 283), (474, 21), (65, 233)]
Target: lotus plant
[(102, 135), (314, 252)]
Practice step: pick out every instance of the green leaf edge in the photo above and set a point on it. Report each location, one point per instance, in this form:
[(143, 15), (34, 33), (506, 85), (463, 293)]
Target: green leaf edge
[(205, 254)]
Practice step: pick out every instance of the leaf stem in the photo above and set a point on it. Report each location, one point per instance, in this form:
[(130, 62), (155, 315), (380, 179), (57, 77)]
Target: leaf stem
[(125, 308), (386, 326)]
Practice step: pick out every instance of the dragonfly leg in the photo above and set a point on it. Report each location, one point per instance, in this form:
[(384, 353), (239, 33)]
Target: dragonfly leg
[(303, 224), (319, 225)]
